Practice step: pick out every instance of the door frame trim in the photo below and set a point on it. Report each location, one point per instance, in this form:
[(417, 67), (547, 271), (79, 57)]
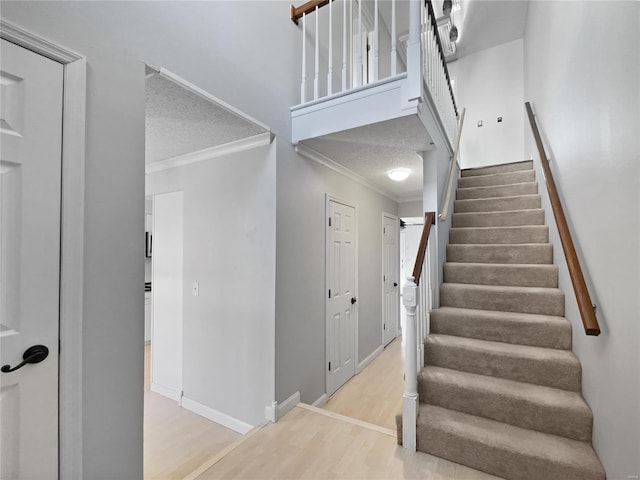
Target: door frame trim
[(397, 265), (356, 326), (71, 241)]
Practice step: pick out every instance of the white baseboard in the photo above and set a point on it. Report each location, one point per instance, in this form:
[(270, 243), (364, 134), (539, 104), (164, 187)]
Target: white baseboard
[(165, 391), (216, 416), (276, 411), (320, 402), (364, 363)]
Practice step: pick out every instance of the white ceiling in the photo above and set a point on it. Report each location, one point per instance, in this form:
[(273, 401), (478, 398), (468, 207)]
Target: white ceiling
[(488, 23), (179, 121), (373, 150)]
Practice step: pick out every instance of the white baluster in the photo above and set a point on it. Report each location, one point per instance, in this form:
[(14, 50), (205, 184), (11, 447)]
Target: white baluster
[(376, 41), (316, 78), (344, 45), (330, 74), (359, 43), (394, 48), (303, 87), (410, 395)]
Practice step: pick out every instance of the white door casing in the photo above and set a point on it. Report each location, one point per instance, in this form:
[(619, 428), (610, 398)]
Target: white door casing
[(341, 294), (167, 295), (390, 277), (31, 170)]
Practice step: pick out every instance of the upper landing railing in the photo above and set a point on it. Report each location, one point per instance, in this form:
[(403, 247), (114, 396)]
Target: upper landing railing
[(360, 43)]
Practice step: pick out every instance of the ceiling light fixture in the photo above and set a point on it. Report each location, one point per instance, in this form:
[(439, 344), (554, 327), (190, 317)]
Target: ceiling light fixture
[(399, 174)]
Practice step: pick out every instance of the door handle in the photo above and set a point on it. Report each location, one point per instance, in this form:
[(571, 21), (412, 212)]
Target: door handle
[(353, 300), (395, 284), (34, 354)]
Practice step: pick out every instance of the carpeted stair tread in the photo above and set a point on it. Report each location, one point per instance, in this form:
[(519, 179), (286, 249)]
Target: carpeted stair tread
[(541, 366), (504, 450), (517, 275), (495, 235), (533, 253), (508, 218), (517, 202), (493, 191), (509, 327), (543, 301), (525, 405), (508, 178), (499, 168)]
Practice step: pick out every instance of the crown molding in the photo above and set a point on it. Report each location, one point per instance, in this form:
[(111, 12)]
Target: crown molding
[(209, 153), (318, 157)]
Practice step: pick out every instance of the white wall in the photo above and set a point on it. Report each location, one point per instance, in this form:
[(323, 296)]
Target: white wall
[(229, 249), (247, 54), (582, 77), (166, 348), (410, 209), (300, 295), (490, 84)]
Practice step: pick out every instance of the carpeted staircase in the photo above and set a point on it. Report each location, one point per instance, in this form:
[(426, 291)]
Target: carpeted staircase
[(501, 389)]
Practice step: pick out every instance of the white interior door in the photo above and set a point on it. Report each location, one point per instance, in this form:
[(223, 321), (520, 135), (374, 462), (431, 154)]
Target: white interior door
[(341, 295), (30, 188), (167, 295), (390, 280)]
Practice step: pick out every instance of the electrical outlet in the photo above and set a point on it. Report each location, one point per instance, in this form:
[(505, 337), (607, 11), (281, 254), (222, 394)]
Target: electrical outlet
[(195, 289), (499, 119), (479, 123)]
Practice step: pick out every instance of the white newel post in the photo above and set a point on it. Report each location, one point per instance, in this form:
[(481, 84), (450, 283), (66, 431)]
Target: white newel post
[(414, 60), (410, 396)]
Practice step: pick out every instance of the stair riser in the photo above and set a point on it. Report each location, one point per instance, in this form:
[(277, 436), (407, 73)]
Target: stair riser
[(523, 202), (528, 188), (540, 371), (498, 219), (500, 179), (534, 254), (574, 423), (505, 464), (464, 296), (496, 274), (551, 334), (500, 235), (502, 168)]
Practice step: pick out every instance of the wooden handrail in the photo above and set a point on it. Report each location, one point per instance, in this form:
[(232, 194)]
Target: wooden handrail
[(429, 219), (434, 25), (452, 170), (309, 7), (586, 307)]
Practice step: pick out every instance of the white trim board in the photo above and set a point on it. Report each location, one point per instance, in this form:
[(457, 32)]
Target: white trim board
[(72, 240), (311, 154), (229, 148), (321, 401), (216, 416), (370, 358), (165, 392), (276, 411)]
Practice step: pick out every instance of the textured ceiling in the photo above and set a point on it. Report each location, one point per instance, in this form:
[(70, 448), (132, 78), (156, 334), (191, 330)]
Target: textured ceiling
[(178, 121), (373, 150)]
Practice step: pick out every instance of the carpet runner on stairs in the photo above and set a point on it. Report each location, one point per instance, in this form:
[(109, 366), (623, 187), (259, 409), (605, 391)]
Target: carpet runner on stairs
[(501, 389)]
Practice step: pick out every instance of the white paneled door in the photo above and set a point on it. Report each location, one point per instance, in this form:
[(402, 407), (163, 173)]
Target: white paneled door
[(30, 188), (341, 295), (390, 280)]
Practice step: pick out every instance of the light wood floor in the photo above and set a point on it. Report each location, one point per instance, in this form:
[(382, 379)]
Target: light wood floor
[(309, 444), (375, 395), (177, 441)]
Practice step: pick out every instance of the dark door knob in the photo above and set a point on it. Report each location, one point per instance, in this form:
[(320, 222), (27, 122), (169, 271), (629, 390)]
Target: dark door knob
[(395, 284), (353, 300), (34, 354)]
